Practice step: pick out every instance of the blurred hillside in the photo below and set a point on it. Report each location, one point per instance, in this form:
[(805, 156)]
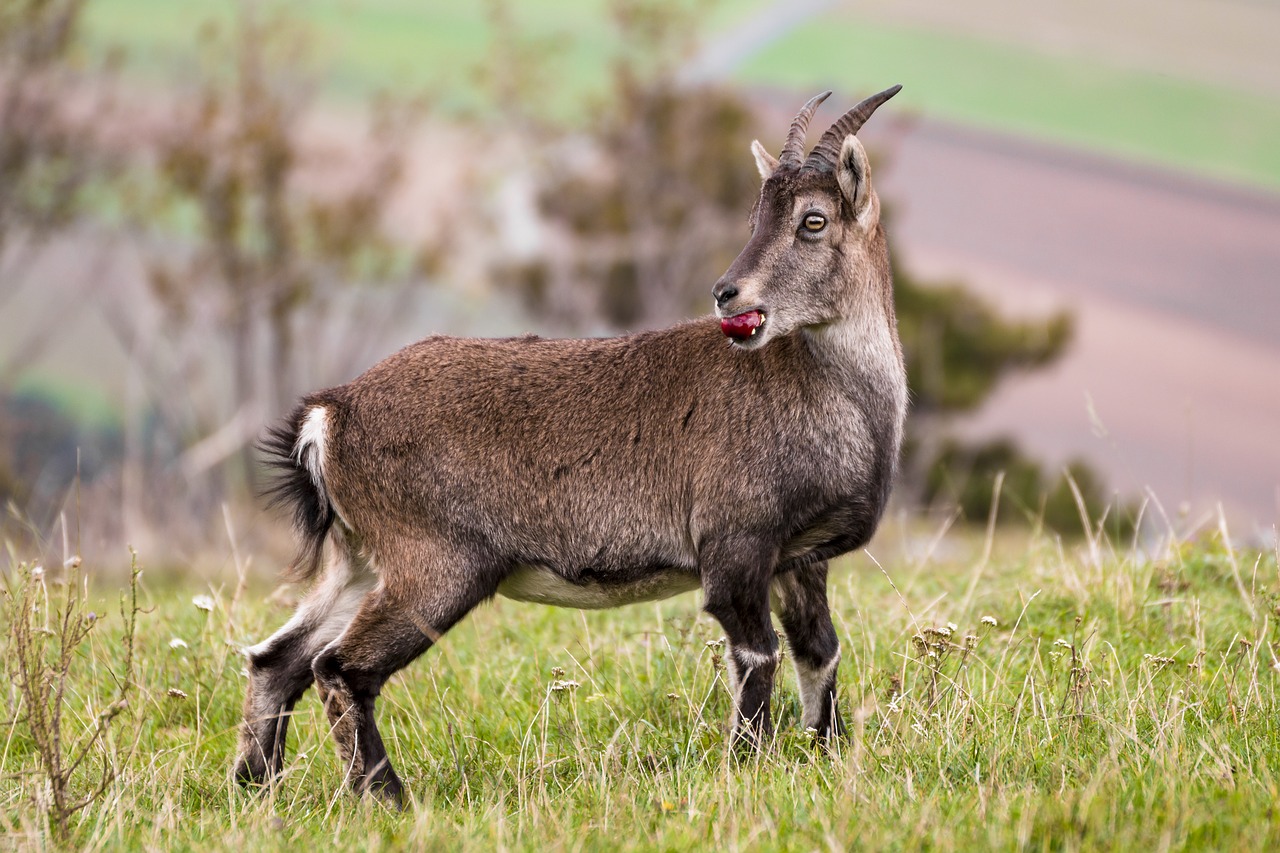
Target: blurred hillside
[(402, 168), (1194, 86)]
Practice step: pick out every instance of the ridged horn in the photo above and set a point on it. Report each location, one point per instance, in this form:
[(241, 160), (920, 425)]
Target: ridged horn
[(793, 150), (827, 151)]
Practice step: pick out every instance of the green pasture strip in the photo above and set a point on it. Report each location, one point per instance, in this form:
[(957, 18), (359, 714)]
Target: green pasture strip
[(368, 45), (1189, 125), (1118, 699)]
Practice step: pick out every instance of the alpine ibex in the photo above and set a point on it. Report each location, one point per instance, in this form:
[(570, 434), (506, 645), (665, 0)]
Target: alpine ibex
[(596, 473)]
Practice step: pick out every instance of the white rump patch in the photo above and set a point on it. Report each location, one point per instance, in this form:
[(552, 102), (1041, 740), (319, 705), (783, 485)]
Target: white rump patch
[(309, 451)]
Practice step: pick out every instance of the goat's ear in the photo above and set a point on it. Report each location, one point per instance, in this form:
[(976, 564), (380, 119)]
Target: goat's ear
[(854, 175), (766, 163)]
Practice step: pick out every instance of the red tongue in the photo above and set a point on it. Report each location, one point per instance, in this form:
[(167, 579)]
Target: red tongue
[(742, 325)]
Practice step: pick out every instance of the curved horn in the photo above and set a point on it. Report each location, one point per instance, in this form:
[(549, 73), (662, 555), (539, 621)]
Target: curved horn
[(793, 150), (827, 150)]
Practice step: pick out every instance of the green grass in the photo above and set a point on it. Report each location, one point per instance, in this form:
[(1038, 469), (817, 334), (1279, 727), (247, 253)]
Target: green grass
[(367, 45), (1182, 123), (1120, 701)]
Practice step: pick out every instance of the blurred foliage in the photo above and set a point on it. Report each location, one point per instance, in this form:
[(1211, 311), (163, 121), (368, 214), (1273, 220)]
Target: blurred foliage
[(51, 98), (965, 475), (659, 215), (636, 200), (45, 451), (273, 246), (958, 347), (51, 101), (264, 244), (43, 154)]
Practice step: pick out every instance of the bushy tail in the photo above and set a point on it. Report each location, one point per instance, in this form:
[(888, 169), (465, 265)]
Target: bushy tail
[(295, 448)]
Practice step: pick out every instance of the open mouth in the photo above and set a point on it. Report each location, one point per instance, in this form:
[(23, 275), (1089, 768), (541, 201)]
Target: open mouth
[(742, 326)]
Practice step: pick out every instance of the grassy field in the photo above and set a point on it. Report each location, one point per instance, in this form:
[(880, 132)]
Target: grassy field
[(1116, 701)]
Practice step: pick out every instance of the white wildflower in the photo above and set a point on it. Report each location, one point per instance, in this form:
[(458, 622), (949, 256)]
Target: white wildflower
[(989, 621), (178, 643), (203, 602)]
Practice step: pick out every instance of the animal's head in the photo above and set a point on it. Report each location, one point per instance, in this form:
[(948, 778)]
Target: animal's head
[(816, 246)]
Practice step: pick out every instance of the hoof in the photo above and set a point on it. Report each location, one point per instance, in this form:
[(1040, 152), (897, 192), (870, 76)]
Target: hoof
[(389, 792), (249, 774)]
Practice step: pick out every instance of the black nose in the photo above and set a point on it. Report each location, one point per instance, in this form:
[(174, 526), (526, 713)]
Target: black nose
[(723, 292)]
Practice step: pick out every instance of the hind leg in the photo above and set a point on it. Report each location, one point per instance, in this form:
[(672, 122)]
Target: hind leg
[(423, 593), (280, 667), (799, 598)]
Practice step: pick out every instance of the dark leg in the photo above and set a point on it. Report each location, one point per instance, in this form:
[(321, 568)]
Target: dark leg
[(395, 624), (280, 667), (800, 600), (735, 578)]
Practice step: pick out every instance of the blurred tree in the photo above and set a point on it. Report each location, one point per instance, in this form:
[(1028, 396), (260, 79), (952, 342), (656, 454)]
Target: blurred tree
[(958, 347), (278, 227), (52, 97), (639, 200), (47, 155), (961, 474)]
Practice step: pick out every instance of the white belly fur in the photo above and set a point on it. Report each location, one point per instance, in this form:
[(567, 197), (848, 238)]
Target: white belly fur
[(542, 586)]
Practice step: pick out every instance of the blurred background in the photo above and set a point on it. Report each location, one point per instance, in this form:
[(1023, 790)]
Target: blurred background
[(210, 207)]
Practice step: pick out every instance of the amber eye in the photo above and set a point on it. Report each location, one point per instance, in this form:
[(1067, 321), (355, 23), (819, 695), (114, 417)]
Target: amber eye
[(814, 222)]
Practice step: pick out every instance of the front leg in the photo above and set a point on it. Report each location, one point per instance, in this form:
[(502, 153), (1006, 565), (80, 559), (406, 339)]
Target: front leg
[(800, 600), (735, 579)]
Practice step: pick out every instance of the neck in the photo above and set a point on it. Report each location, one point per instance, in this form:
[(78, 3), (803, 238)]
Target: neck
[(861, 347), (864, 358)]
